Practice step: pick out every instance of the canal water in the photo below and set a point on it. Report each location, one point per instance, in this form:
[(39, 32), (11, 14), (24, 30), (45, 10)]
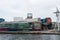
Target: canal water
[(28, 37)]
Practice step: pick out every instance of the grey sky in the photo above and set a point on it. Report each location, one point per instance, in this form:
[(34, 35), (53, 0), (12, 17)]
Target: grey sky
[(20, 8)]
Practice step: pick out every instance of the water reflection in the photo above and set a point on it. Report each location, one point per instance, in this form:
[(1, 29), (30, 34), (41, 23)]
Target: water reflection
[(28, 37)]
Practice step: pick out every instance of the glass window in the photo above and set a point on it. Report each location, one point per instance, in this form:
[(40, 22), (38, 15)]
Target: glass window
[(6, 25), (16, 25), (10, 25), (2, 26), (23, 25)]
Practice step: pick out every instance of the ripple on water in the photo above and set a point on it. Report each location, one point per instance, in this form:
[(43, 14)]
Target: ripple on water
[(28, 37)]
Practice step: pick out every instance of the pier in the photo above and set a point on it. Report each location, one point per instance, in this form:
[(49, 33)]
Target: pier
[(30, 32)]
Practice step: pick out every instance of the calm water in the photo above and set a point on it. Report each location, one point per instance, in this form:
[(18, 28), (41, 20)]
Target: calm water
[(28, 37)]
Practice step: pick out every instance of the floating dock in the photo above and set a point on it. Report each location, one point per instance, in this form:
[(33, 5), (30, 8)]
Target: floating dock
[(30, 32)]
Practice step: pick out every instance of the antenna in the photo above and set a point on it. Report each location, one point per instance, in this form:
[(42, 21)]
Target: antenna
[(57, 16), (57, 10)]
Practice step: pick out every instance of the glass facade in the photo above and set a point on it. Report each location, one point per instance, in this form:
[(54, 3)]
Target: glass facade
[(14, 25)]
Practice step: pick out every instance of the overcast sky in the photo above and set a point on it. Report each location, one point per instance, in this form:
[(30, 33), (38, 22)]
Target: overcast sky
[(20, 8)]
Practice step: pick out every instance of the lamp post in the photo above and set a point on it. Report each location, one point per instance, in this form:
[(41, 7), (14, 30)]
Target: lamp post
[(57, 16)]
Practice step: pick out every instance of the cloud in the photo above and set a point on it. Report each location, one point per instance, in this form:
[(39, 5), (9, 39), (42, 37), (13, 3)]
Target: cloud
[(39, 8), (12, 8)]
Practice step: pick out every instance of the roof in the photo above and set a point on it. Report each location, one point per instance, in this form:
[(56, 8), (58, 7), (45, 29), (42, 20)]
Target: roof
[(13, 22)]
